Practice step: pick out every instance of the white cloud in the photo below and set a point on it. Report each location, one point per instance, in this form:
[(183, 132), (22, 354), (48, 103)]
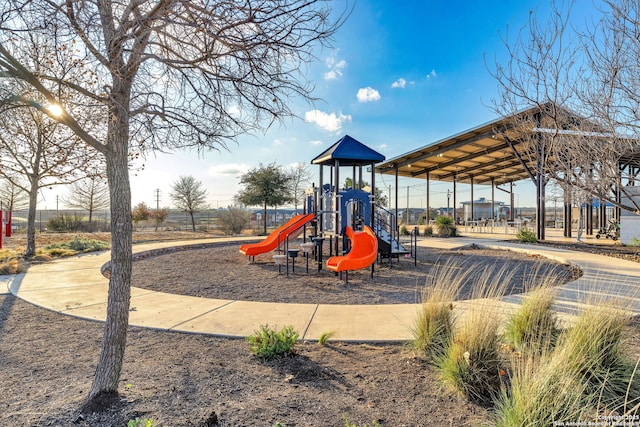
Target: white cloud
[(316, 142), (400, 83), (277, 142), (368, 94), (332, 75), (432, 74), (383, 147), (331, 122), (228, 169), (335, 67)]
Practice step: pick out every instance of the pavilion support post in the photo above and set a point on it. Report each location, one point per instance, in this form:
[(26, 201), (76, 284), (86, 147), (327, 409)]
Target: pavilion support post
[(512, 210), (567, 213), (617, 211), (427, 211), (397, 211), (455, 198), (493, 200), (589, 217), (541, 184), (473, 211), (602, 216)]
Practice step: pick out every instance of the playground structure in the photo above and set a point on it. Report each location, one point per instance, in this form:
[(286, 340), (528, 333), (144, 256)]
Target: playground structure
[(358, 230)]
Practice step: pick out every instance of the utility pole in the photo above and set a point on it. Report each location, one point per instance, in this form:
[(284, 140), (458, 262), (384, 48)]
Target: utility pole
[(157, 199), (407, 220)]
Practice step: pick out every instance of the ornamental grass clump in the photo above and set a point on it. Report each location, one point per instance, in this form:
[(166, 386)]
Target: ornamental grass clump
[(472, 364), (534, 326), (269, 343), (593, 352), (433, 328), (540, 392)]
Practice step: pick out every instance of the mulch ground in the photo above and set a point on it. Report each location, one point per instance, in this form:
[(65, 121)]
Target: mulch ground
[(47, 360), (222, 272)]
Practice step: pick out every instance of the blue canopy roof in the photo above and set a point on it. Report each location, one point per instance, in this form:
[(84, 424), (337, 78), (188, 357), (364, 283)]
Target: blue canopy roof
[(349, 152)]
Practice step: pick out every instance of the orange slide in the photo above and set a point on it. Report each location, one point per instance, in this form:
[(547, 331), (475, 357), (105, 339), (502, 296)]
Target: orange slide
[(363, 253), (277, 236)]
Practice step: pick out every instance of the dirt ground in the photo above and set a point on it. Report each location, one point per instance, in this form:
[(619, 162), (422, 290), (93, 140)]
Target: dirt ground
[(47, 360)]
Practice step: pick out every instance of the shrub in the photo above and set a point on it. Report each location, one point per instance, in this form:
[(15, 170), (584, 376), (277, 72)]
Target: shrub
[(428, 231), (13, 266), (533, 327), (65, 223), (527, 236), (593, 353), (76, 246), (446, 227), (269, 343), (142, 422), (404, 230)]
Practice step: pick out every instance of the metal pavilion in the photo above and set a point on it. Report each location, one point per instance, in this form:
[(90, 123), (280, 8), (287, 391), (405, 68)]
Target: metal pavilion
[(494, 154)]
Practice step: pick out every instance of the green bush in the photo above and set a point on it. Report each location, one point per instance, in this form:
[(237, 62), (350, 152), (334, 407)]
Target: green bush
[(142, 422), (76, 246), (527, 236), (65, 223), (428, 231), (404, 230), (446, 226), (269, 343)]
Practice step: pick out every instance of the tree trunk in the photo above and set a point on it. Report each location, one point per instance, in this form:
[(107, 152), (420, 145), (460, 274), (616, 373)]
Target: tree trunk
[(115, 330), (193, 221), (31, 219), (265, 218)]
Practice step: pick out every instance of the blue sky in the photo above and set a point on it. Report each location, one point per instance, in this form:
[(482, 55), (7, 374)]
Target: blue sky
[(400, 75)]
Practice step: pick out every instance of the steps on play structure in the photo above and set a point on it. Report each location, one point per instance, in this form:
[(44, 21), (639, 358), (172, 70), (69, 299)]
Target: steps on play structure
[(388, 246)]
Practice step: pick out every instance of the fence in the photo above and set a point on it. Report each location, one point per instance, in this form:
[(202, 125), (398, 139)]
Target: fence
[(176, 220)]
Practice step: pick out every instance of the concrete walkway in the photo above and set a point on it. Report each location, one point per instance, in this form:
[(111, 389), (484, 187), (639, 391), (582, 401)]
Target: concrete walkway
[(75, 286)]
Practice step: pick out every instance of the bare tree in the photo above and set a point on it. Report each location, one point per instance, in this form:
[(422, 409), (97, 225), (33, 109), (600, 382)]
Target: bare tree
[(89, 194), (299, 177), (165, 74), (189, 195), (37, 152), (567, 91), (13, 196)]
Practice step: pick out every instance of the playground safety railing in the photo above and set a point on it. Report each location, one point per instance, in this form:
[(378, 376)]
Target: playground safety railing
[(384, 220)]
